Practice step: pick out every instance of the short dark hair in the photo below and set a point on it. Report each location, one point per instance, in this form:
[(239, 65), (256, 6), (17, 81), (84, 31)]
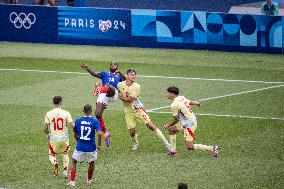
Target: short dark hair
[(182, 185), (113, 62), (57, 100), (87, 108), (110, 91), (173, 90), (130, 70)]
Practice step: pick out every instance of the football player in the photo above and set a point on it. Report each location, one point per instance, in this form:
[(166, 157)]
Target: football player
[(57, 134), (86, 149), (184, 121), (109, 79)]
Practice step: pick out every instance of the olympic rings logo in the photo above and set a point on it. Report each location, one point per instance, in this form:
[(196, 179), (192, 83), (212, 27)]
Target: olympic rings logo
[(22, 20)]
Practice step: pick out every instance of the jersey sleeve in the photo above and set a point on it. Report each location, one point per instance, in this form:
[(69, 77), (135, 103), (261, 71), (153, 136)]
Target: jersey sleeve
[(103, 74), (174, 109), (97, 125), (136, 91)]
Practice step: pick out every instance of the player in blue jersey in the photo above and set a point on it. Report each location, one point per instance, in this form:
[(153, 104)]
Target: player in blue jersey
[(84, 133), (109, 82)]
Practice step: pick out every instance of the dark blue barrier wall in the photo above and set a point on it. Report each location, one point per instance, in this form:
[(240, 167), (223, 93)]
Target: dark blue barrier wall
[(142, 28)]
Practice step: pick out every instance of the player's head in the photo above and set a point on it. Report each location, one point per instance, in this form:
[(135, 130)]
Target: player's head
[(57, 100), (182, 185), (131, 75), (172, 92), (113, 66), (110, 91), (88, 109)]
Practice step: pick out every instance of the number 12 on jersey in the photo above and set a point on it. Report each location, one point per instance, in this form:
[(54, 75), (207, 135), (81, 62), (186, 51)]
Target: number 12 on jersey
[(86, 135)]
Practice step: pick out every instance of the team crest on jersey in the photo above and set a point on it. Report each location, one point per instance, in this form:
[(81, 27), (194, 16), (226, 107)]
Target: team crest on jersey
[(85, 123)]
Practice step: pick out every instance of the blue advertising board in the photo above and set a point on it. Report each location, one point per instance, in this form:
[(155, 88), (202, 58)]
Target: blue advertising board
[(28, 24), (142, 28), (203, 30), (94, 26)]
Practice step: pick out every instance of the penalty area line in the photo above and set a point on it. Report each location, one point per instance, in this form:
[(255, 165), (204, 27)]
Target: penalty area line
[(153, 76), (223, 96), (232, 116)]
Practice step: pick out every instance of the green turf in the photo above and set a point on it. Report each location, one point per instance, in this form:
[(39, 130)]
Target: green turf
[(251, 150)]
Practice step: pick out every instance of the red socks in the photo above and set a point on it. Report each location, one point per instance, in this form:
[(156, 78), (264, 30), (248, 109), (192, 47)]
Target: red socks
[(73, 175), (102, 123), (90, 175)]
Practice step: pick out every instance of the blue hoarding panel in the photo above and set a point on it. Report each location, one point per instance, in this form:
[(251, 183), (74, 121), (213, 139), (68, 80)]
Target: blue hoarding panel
[(28, 24), (94, 26), (142, 28)]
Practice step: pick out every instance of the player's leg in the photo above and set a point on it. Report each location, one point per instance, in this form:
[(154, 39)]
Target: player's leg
[(131, 124), (100, 107), (189, 137), (91, 172), (52, 156), (143, 117), (73, 173), (172, 135), (65, 158), (91, 158), (76, 157)]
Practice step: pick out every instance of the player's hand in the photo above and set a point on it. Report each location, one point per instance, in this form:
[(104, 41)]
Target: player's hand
[(198, 104), (117, 71), (48, 139), (84, 66), (166, 126)]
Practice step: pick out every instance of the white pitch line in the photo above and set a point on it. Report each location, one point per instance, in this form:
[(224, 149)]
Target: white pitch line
[(204, 79), (245, 92), (234, 116), (209, 79), (43, 71), (223, 96), (149, 76)]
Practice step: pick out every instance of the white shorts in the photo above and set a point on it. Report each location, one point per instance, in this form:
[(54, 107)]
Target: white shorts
[(187, 123), (85, 156), (106, 100)]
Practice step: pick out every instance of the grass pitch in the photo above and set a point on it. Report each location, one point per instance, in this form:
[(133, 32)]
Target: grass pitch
[(242, 111)]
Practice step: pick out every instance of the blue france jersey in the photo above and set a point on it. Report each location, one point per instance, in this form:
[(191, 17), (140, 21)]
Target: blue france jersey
[(85, 128), (111, 78)]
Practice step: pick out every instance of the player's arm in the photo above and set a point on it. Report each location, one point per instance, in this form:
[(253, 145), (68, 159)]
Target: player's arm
[(121, 75), (93, 73), (130, 97), (194, 102), (127, 99), (46, 127), (99, 140), (75, 132), (71, 124), (174, 121)]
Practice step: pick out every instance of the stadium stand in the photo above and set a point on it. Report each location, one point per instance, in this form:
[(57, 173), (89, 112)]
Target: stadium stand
[(190, 5)]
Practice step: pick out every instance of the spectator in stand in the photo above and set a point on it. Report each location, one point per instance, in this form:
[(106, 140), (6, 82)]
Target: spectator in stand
[(11, 1), (269, 8), (50, 2), (182, 185)]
